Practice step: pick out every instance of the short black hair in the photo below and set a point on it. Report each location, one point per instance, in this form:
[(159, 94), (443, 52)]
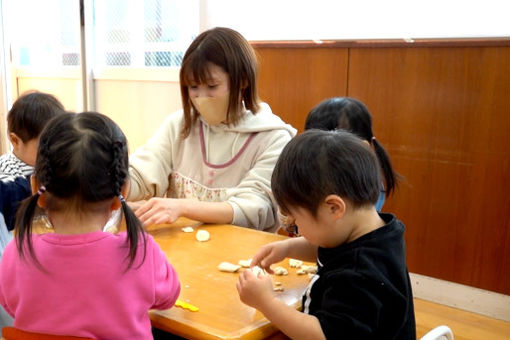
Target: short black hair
[(30, 113), (351, 114), (319, 163)]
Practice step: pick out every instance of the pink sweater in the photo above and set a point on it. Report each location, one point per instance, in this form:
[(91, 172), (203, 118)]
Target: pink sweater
[(85, 290)]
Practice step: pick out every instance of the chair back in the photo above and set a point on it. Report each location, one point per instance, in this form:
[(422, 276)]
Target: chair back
[(439, 333), (13, 333)]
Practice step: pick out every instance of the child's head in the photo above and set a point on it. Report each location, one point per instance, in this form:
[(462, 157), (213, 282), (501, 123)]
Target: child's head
[(81, 169), (352, 115), (341, 113), (219, 63), (27, 118), (316, 164)]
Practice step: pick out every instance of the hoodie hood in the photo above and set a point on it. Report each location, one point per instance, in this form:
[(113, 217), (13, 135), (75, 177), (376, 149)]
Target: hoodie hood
[(264, 120)]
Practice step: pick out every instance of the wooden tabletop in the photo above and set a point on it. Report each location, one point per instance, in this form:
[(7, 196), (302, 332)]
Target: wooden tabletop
[(221, 313)]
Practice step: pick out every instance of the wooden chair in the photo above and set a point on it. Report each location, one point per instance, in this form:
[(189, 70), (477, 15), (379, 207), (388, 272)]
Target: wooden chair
[(439, 333), (13, 333)]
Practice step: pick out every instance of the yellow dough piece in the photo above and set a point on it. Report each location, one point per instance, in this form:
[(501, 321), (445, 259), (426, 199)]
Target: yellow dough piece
[(185, 305)]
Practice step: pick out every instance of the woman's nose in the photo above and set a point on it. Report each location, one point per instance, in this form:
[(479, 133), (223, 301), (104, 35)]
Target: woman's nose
[(199, 93)]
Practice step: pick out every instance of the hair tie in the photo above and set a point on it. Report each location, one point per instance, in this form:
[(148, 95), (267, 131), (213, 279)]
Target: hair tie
[(122, 199), (372, 139), (41, 190)]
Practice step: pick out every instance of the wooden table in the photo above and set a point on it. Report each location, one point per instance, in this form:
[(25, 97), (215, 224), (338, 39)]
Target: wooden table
[(221, 313)]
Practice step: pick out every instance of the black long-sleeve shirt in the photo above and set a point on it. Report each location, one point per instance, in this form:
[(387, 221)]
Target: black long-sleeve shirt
[(362, 289)]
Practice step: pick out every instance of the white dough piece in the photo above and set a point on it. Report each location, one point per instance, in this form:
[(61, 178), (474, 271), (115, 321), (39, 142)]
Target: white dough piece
[(228, 267), (245, 263), (278, 289), (309, 269), (301, 271), (202, 235), (257, 271), (280, 270), (293, 263), (187, 229)]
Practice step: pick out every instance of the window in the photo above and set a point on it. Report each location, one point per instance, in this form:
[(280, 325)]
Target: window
[(149, 33), (53, 35)]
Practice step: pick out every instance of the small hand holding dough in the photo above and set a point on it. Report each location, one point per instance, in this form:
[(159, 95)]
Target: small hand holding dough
[(202, 235), (257, 271), (228, 267)]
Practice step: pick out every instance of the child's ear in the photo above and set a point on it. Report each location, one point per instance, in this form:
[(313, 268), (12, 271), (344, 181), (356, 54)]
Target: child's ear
[(34, 185), (15, 140), (336, 206)]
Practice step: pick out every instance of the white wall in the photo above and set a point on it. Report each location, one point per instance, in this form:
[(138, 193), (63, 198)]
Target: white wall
[(360, 19), (139, 105)]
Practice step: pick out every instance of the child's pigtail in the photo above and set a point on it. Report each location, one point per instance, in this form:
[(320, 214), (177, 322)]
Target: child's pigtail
[(134, 231), (390, 177), (133, 225), (24, 222)]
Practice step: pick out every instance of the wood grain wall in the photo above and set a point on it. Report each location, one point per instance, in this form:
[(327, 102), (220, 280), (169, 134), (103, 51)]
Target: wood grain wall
[(442, 111)]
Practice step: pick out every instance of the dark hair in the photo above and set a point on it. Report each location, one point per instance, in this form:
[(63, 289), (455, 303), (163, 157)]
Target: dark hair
[(82, 159), (352, 115), (229, 50), (318, 163), (30, 113)]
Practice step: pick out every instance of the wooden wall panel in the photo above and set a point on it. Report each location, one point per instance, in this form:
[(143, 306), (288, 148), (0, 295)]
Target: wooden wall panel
[(293, 80), (444, 116)]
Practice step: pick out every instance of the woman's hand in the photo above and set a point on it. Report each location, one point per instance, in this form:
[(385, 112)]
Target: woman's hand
[(255, 291), (159, 210), (269, 254), (134, 205)]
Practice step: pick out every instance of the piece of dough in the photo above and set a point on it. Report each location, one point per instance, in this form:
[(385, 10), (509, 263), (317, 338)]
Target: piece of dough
[(293, 263), (309, 269), (257, 271), (228, 267), (187, 229), (202, 235), (245, 263), (280, 270)]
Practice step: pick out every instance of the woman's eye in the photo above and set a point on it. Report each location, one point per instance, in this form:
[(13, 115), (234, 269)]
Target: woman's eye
[(212, 86)]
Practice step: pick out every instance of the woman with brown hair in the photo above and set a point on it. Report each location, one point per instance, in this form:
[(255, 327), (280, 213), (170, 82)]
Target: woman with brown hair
[(212, 161)]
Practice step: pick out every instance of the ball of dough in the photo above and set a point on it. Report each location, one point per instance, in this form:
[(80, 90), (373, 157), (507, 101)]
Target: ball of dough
[(202, 235)]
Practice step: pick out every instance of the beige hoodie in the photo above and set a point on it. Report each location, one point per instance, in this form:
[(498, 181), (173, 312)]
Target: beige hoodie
[(215, 163)]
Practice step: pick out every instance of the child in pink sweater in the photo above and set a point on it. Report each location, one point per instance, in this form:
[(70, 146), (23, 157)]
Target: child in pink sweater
[(81, 281)]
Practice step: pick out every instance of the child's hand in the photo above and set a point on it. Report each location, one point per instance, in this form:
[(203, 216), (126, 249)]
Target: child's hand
[(269, 254), (254, 290)]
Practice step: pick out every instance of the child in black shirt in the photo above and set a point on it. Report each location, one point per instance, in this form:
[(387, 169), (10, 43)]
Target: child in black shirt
[(328, 183)]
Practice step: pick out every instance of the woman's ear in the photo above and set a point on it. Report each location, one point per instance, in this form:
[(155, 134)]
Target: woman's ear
[(336, 206)]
